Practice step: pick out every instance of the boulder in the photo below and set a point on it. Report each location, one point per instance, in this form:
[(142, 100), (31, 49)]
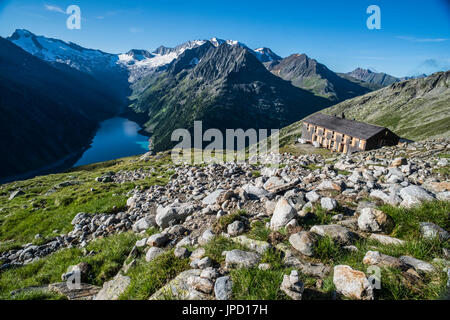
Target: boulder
[(270, 207), (79, 217), (352, 283), (112, 289), (223, 288), (198, 253), (329, 185), (202, 263), (336, 232), (418, 265), (391, 199), (212, 197), (374, 220), (83, 292), (382, 260), (141, 243), (431, 230), (206, 236), (157, 240), (235, 228), (381, 238), (153, 253), (312, 196), (292, 286), (282, 214), (181, 252), (144, 224), (304, 242), (241, 259), (200, 284), (397, 162), (172, 214), (328, 204), (178, 288), (254, 191), (414, 195), (252, 244), (443, 196), (210, 273), (272, 183), (165, 216)]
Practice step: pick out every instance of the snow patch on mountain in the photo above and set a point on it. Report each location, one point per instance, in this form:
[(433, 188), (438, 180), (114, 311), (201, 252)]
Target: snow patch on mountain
[(266, 55), (137, 62), (54, 50)]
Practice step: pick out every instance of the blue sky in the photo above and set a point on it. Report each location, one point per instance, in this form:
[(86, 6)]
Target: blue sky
[(414, 36)]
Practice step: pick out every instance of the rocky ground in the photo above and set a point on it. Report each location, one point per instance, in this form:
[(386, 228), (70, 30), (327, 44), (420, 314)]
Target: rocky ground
[(312, 227)]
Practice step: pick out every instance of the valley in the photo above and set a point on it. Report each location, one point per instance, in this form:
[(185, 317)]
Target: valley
[(225, 154), (223, 83), (136, 226)]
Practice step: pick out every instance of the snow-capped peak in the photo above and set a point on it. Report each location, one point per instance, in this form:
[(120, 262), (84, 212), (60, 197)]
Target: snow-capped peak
[(262, 54), (54, 50), (266, 54), (217, 42), (138, 62)]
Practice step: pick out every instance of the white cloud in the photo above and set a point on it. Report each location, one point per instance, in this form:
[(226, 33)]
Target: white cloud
[(414, 39), (49, 7)]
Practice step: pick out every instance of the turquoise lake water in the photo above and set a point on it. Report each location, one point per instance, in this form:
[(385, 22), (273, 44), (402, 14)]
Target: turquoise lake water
[(115, 138)]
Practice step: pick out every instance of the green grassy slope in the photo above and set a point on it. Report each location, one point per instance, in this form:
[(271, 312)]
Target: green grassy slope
[(416, 109)]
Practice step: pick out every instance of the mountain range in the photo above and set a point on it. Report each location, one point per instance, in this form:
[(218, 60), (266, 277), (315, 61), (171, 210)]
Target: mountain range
[(224, 83), (308, 74), (225, 87), (136, 64)]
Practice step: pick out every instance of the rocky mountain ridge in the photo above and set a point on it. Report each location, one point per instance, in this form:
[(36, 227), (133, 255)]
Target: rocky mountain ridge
[(225, 87), (372, 77), (308, 74)]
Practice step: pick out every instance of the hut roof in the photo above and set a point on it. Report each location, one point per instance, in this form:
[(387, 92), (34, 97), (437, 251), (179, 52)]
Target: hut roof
[(352, 128)]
